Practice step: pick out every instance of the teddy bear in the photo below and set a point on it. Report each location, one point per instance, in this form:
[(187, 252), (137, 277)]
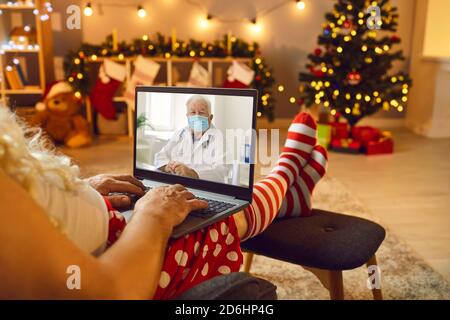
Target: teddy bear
[(59, 115)]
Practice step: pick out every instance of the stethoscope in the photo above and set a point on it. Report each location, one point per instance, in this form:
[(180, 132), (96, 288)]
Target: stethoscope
[(205, 144)]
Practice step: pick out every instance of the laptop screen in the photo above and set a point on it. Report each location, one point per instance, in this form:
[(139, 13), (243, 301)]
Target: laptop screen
[(199, 136)]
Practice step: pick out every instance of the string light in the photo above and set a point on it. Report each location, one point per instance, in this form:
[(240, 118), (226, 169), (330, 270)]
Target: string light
[(301, 5), (141, 12), (88, 10), (280, 88), (204, 22), (292, 100), (255, 26)]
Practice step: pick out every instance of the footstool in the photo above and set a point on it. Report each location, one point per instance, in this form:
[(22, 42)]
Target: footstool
[(326, 244)]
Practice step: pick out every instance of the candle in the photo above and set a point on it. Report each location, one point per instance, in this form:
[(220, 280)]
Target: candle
[(114, 40), (174, 38), (229, 43)]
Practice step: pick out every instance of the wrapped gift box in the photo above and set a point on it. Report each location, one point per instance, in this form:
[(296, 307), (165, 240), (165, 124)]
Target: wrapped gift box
[(346, 146), (382, 146), (324, 134), (365, 134), (339, 130)]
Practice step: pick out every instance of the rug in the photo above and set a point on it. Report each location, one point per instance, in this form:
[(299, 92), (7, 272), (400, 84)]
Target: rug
[(404, 274)]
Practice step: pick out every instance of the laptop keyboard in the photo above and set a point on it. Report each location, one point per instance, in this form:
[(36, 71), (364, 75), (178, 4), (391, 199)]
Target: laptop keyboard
[(214, 206)]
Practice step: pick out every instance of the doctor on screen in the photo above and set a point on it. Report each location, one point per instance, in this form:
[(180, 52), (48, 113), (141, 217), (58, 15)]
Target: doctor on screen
[(197, 150)]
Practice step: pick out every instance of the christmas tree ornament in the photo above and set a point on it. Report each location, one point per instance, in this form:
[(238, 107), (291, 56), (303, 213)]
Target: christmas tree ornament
[(354, 78), (318, 52)]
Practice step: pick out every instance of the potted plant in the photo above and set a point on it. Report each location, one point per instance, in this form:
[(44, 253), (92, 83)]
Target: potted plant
[(141, 123)]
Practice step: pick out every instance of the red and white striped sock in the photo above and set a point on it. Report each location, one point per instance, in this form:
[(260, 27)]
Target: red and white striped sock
[(268, 194), (297, 201)]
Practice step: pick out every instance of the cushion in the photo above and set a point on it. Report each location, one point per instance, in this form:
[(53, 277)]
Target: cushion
[(325, 240), (233, 286)]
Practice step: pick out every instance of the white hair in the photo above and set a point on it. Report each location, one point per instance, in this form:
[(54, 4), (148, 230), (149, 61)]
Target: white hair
[(25, 156), (199, 98)]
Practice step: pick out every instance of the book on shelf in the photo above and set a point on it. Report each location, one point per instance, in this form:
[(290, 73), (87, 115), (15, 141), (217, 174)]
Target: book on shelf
[(13, 78), (21, 73)]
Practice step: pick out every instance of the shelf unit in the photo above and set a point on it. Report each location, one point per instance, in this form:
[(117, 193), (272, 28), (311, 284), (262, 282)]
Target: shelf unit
[(169, 63), (44, 52)]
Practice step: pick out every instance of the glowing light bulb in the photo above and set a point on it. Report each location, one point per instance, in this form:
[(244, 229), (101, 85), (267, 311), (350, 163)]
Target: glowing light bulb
[(145, 37), (256, 28), (340, 50), (301, 5), (78, 94), (141, 12), (88, 10), (292, 100), (280, 88), (204, 23)]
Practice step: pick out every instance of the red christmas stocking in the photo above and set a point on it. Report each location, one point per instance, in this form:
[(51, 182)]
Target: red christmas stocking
[(110, 78)]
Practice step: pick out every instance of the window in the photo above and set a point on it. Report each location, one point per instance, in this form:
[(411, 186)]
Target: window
[(159, 110)]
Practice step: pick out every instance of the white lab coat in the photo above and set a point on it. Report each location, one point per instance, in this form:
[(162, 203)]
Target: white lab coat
[(206, 156)]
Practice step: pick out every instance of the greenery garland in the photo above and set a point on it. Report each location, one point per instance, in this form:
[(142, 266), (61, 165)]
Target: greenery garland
[(77, 70)]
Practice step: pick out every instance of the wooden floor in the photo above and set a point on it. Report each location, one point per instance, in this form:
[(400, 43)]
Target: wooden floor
[(409, 191)]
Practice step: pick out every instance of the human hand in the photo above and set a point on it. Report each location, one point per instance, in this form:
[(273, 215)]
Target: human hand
[(169, 204), (178, 168), (105, 184)]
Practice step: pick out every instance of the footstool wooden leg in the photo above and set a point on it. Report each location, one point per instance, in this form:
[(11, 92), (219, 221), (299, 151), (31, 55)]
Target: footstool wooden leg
[(248, 261), (376, 292), (336, 285)]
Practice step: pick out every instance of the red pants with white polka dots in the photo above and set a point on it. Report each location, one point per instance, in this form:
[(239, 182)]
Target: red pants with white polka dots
[(192, 259)]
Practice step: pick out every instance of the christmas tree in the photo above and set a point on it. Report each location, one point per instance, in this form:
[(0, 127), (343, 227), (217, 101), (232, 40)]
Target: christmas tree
[(349, 72)]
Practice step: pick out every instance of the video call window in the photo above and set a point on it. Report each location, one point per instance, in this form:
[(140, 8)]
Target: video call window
[(205, 137)]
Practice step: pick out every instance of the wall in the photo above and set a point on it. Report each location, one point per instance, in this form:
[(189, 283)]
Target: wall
[(429, 107), (287, 35), (437, 29)]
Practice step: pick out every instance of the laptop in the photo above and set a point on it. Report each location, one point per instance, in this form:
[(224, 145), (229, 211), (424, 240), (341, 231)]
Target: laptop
[(201, 138)]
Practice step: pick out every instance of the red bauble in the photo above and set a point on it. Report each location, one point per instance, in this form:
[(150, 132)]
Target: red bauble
[(258, 78), (318, 52), (395, 38), (347, 24), (354, 78), (300, 101)]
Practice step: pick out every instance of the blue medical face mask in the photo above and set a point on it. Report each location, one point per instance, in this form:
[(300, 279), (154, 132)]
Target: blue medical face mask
[(198, 123)]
